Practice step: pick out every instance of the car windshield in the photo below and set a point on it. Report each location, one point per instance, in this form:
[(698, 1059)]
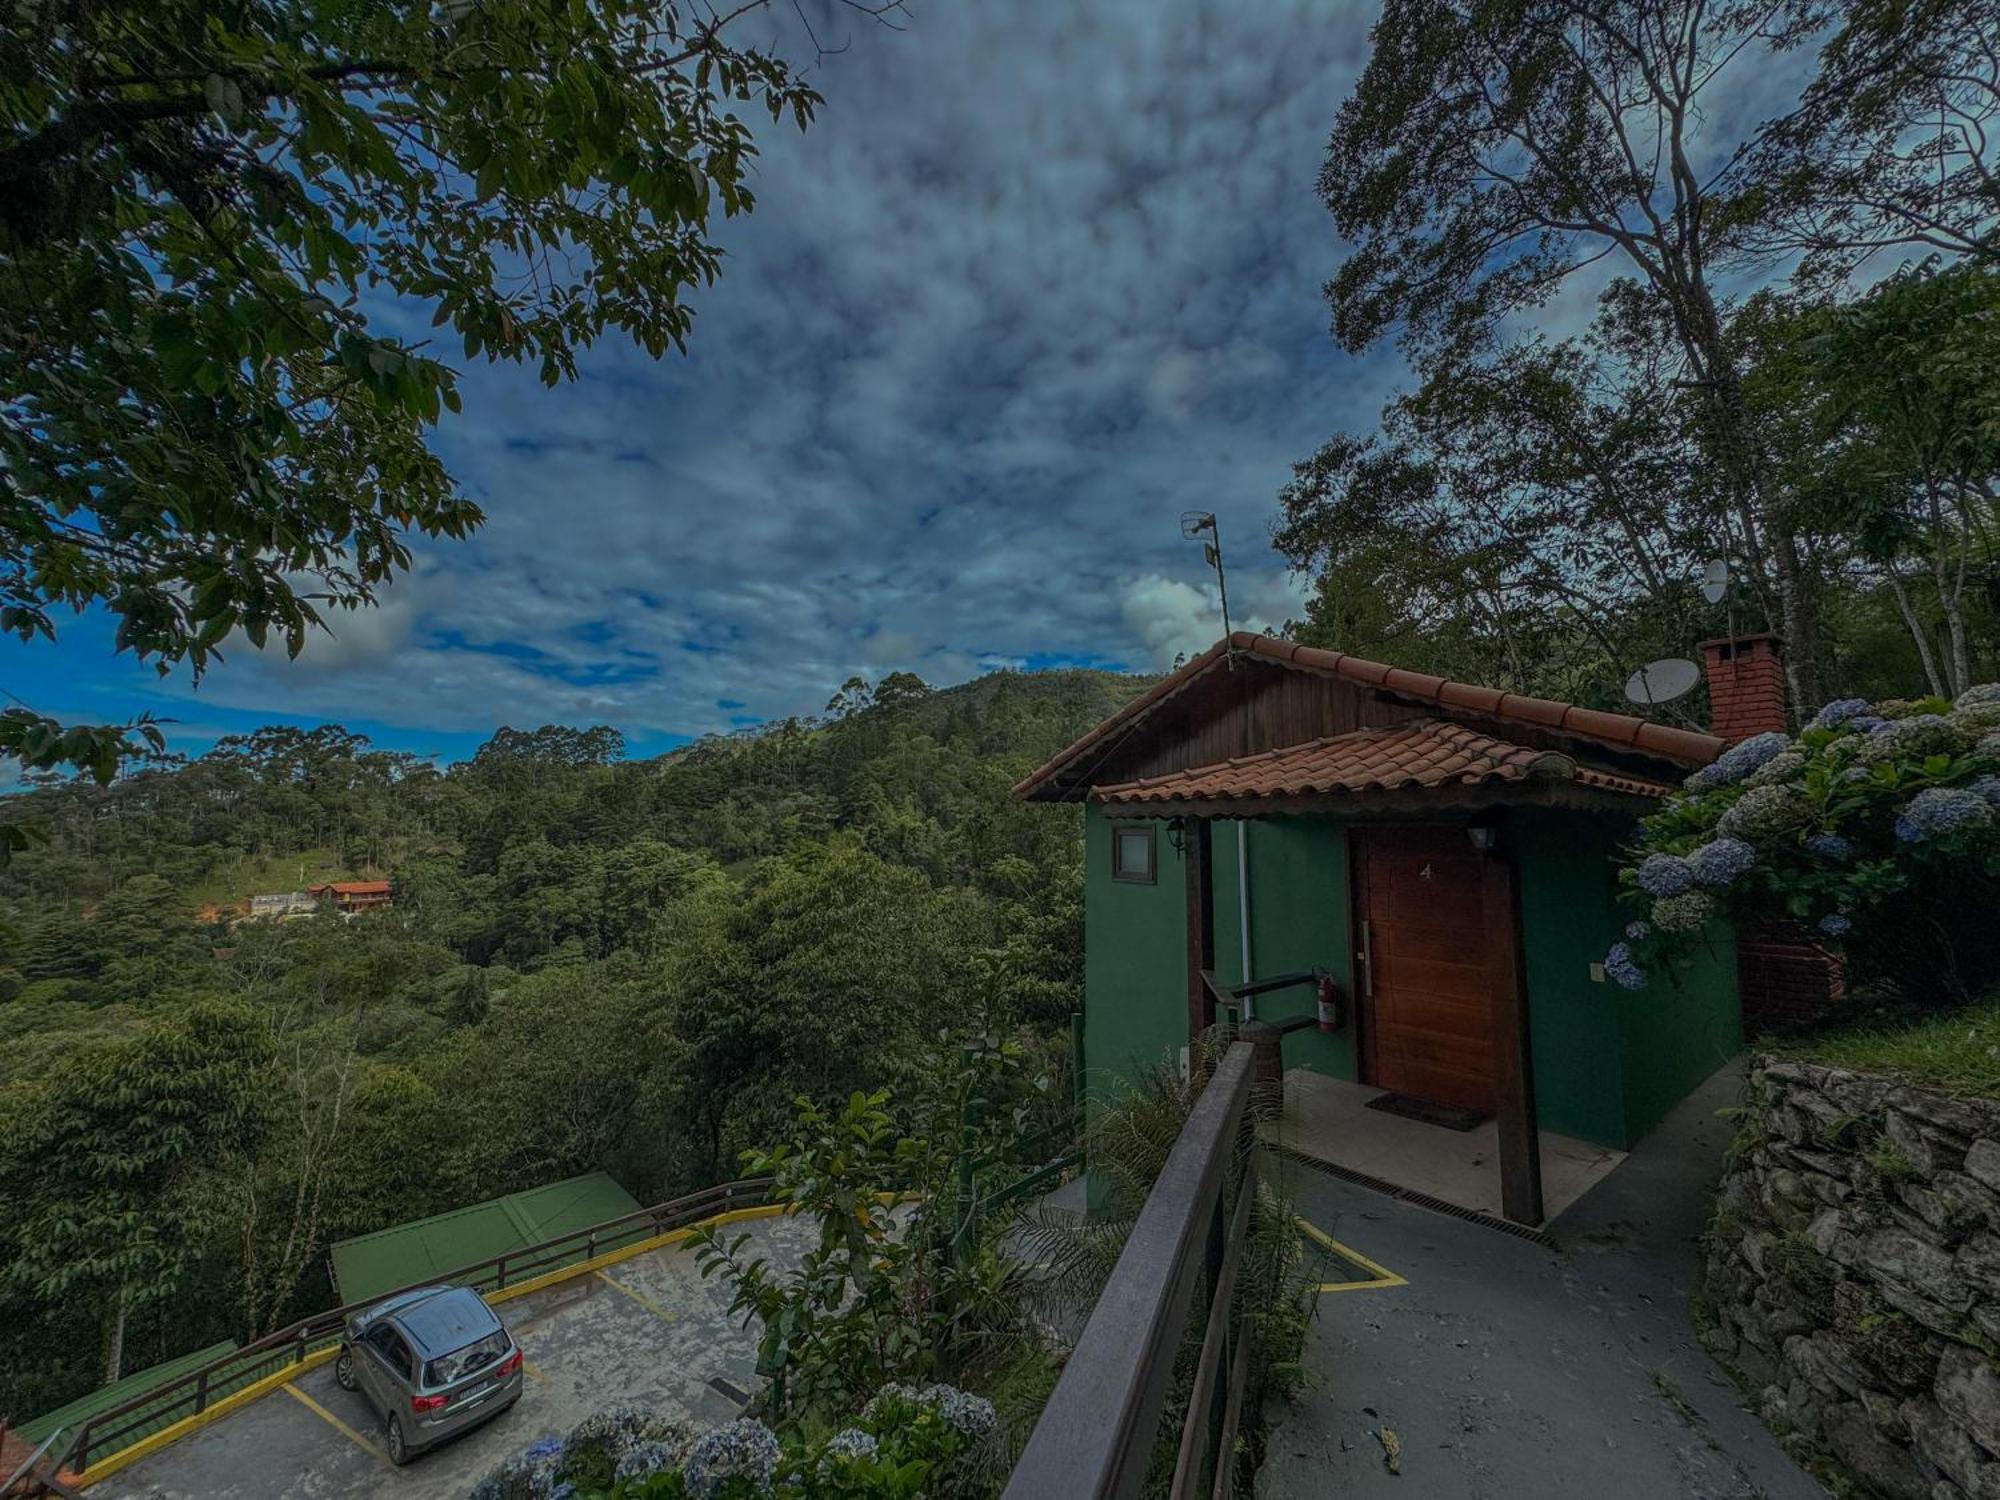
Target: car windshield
[(473, 1357)]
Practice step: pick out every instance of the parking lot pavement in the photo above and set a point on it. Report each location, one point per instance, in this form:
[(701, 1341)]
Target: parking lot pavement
[(648, 1331)]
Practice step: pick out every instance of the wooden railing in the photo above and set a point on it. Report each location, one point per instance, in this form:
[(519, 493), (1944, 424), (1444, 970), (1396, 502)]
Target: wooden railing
[(107, 1433), (1098, 1433)]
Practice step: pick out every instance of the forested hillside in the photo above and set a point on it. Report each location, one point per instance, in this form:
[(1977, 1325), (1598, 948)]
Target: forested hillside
[(591, 962)]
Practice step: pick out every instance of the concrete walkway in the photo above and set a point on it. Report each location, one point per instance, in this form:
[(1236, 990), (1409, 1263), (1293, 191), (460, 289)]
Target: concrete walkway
[(1504, 1369), (648, 1330)]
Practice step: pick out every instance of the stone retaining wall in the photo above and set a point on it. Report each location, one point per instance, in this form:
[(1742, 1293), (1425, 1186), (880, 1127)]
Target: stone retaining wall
[(1854, 1276)]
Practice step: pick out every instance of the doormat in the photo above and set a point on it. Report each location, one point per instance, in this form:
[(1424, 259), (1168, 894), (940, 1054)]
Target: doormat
[(1450, 1116)]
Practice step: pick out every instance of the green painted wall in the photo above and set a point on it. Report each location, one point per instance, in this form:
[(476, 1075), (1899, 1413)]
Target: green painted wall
[(1608, 1062), (1300, 916), (1134, 959), (1679, 1029), (1564, 873)]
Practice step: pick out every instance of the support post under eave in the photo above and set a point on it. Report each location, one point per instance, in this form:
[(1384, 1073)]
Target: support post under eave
[(1199, 854), (1513, 1069)]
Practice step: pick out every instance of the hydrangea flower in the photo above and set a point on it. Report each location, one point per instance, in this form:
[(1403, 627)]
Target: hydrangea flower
[(845, 1447), (1623, 968), (1939, 810), (742, 1449), (1664, 875), (970, 1416), (1740, 760), (1986, 788), (1638, 932), (1868, 724), (1764, 810), (1833, 924), (1779, 768), (1920, 734), (1973, 697), (1830, 846), (614, 1429), (1682, 913), (1838, 713), (532, 1473), (648, 1457), (1721, 861)]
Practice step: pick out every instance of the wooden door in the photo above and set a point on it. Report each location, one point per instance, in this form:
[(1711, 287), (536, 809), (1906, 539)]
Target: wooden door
[(1426, 988)]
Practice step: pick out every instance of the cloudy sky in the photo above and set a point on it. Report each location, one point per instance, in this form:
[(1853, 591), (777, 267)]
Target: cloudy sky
[(1041, 278)]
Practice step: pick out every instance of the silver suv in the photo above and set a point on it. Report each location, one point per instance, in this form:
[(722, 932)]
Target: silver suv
[(433, 1361)]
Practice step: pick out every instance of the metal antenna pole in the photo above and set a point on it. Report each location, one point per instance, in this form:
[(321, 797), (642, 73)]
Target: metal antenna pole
[(1221, 582), (1194, 523)]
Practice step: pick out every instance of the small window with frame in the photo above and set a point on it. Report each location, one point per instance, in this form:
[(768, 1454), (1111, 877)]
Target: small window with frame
[(1134, 851)]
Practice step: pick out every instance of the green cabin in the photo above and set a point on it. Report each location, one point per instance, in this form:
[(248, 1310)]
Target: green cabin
[(1440, 854)]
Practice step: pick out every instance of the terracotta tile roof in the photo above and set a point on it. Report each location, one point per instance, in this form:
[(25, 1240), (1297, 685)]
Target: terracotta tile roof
[(1426, 753), (1623, 731)]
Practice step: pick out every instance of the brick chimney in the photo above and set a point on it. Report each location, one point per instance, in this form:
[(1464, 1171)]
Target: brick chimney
[(1746, 685)]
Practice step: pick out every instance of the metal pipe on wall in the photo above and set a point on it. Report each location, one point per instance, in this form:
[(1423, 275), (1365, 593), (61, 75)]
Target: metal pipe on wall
[(1243, 908)]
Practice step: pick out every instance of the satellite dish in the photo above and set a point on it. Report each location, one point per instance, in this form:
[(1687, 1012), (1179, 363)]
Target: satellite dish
[(1715, 581), (1662, 681)]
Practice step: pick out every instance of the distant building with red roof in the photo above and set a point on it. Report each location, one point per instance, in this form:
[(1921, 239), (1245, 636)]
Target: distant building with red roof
[(350, 896)]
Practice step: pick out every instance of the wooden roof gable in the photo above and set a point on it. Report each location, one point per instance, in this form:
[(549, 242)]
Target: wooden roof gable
[(1251, 694)]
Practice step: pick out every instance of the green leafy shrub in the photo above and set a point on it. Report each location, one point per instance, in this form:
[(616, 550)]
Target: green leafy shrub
[(1877, 827), (881, 1297)]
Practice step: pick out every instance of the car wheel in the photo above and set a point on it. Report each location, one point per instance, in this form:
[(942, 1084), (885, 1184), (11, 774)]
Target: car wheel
[(398, 1453), (343, 1372)]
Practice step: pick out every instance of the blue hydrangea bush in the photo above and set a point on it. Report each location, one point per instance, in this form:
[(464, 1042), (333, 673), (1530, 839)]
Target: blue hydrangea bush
[(1876, 827), (908, 1441)]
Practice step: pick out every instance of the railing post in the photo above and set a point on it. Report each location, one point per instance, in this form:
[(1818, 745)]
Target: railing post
[(1076, 1064), (201, 1390), (499, 1272), (1097, 1433)]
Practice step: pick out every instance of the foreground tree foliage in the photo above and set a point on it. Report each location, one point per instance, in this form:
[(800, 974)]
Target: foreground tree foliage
[(591, 964), (1539, 511), (1492, 153), (220, 230)]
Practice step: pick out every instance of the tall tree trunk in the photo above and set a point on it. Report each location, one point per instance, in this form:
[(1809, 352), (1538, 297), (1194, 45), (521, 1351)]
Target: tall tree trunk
[(114, 1337), (1916, 628)]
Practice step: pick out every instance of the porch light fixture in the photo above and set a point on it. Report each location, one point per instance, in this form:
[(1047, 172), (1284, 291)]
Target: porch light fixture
[(1177, 834), (1484, 836)]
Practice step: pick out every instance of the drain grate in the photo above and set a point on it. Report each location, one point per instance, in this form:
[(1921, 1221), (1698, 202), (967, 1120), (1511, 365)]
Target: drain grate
[(734, 1392), (1421, 1200)]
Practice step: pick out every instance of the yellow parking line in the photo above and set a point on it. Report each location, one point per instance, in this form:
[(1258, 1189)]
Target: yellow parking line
[(1384, 1277), (532, 1371), (639, 1297), (321, 1412)]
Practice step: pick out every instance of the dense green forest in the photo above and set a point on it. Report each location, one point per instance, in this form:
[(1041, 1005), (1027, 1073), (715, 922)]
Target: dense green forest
[(591, 963)]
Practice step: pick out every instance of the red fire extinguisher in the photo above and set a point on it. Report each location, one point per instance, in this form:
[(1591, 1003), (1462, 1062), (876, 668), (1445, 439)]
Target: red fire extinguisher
[(1329, 1004)]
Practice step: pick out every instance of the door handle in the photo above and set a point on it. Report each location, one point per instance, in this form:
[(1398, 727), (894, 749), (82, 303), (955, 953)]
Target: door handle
[(1366, 959)]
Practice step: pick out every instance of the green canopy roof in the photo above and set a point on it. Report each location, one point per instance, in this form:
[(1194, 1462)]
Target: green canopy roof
[(430, 1249), (105, 1397)]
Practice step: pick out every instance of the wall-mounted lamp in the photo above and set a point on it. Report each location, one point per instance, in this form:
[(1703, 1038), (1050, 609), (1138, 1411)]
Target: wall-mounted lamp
[(1484, 836), (1177, 834)]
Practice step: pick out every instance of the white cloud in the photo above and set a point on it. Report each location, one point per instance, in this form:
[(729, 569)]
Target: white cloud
[(1174, 618), (1040, 279)]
